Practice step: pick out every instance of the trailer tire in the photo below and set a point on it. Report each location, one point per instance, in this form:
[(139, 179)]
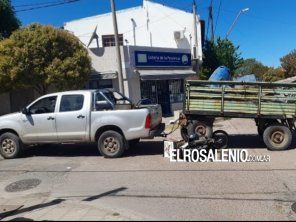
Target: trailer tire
[(111, 144), (10, 146), (277, 137), (201, 128)]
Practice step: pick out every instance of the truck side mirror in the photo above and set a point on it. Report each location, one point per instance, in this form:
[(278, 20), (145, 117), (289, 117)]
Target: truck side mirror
[(25, 111), (101, 105)]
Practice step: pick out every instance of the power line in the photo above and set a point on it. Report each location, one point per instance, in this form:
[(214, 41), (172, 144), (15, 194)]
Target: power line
[(37, 4), (52, 4), (219, 9)]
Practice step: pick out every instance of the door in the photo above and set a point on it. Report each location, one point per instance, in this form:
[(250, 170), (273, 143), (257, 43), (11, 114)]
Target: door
[(163, 96), (39, 124), (71, 119), (158, 92)]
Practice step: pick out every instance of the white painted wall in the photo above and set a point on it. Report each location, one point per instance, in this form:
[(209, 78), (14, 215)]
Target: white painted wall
[(154, 23)]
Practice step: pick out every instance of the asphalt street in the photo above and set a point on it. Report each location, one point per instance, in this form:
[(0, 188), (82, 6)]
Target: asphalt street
[(71, 182)]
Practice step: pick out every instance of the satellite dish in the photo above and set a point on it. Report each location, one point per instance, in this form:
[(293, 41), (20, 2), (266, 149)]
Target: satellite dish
[(94, 36)]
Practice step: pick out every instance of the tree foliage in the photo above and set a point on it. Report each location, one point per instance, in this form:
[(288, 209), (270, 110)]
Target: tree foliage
[(218, 53), (272, 75), (252, 66), (288, 63), (39, 56), (8, 20)]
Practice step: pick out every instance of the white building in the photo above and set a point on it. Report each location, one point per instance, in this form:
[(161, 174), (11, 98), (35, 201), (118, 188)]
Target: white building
[(156, 47)]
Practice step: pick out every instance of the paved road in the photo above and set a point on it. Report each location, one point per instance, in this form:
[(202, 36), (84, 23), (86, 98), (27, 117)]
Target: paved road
[(144, 185)]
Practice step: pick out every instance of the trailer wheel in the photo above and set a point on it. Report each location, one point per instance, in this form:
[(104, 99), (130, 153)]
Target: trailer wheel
[(201, 128), (111, 144), (10, 146), (277, 137)]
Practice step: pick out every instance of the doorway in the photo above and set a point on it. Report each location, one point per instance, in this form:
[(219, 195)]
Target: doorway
[(157, 91)]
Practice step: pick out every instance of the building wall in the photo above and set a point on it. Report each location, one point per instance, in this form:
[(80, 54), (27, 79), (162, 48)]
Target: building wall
[(151, 24)]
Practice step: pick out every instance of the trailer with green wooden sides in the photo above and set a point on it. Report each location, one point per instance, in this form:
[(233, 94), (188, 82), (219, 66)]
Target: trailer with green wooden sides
[(271, 105)]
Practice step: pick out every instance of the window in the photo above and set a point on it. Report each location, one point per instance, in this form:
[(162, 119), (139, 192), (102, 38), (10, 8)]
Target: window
[(71, 103), (101, 103), (109, 40), (100, 84), (45, 105)]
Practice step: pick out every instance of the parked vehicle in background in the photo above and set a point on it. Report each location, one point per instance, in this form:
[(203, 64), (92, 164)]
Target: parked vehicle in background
[(271, 105), (105, 117)]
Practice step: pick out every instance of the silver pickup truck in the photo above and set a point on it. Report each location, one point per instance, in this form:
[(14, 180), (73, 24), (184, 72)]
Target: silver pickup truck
[(105, 117)]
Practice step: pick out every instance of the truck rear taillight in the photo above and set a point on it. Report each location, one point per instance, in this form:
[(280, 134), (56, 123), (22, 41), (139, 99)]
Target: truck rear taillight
[(148, 121)]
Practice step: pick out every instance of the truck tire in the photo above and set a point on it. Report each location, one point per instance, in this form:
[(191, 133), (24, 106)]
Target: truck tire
[(10, 146), (111, 144), (277, 137)]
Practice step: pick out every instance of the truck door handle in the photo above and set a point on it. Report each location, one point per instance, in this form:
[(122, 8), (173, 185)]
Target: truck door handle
[(80, 117), (50, 118)]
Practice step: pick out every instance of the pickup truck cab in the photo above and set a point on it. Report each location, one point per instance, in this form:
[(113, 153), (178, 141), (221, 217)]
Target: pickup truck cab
[(105, 117)]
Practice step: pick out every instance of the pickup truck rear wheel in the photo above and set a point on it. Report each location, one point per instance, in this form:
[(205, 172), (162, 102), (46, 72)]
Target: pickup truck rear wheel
[(277, 137), (10, 146), (111, 144)]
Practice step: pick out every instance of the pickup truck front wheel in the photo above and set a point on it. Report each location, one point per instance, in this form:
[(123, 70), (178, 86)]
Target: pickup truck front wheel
[(10, 145), (111, 144)]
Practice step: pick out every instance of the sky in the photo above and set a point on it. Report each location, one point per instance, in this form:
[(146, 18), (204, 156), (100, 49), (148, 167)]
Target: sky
[(266, 32)]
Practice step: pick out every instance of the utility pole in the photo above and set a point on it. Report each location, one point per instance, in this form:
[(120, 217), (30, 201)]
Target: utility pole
[(211, 20), (118, 55), (195, 59)]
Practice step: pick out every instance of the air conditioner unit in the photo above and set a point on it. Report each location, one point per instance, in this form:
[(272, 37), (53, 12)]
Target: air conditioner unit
[(178, 35)]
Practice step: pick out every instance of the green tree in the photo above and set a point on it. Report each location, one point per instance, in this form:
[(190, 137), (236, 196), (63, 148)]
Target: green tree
[(252, 66), (8, 20), (288, 63), (272, 75), (217, 53), (39, 56)]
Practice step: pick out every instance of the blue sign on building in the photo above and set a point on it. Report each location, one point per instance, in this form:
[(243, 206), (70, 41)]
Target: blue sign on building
[(162, 59)]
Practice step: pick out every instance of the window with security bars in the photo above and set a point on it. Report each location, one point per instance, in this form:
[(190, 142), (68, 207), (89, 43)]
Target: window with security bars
[(148, 90), (155, 90), (176, 88), (109, 40)]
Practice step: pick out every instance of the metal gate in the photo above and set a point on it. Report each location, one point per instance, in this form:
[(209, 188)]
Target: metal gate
[(158, 91)]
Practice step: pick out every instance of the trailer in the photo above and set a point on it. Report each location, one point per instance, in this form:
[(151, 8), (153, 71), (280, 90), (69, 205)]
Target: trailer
[(271, 105)]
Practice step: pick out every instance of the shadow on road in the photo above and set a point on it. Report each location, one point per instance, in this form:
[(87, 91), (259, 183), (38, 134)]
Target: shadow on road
[(144, 148), (251, 141), (87, 150)]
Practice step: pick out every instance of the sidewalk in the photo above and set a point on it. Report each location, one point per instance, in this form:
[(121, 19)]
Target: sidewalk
[(59, 209)]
